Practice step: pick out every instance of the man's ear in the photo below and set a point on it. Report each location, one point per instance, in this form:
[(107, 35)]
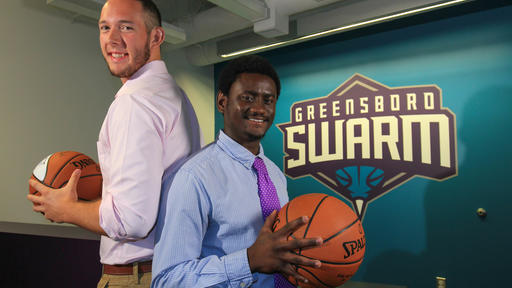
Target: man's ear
[(157, 36), (221, 102)]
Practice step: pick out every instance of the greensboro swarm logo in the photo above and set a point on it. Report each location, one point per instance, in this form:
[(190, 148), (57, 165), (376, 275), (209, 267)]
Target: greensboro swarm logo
[(364, 139)]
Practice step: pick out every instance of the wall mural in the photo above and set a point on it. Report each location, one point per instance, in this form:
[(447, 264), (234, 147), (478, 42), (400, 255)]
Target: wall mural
[(364, 139)]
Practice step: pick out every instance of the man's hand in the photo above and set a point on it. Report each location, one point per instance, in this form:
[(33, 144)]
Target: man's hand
[(273, 252), (54, 203)]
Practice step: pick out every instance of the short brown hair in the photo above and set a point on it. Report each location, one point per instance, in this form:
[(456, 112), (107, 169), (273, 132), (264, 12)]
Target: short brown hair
[(153, 17)]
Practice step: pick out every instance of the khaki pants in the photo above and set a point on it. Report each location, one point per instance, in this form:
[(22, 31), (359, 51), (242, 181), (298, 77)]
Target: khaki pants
[(135, 280)]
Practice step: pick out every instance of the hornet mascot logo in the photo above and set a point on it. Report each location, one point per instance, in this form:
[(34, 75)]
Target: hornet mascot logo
[(364, 139)]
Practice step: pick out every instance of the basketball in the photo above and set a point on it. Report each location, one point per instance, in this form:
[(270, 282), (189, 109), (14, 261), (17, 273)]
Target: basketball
[(55, 170), (343, 237)]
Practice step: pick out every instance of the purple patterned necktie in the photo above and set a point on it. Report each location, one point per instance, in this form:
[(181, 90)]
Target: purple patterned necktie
[(269, 202)]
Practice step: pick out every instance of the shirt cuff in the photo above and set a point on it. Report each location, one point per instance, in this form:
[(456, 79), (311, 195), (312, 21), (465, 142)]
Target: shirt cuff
[(108, 219), (237, 269)]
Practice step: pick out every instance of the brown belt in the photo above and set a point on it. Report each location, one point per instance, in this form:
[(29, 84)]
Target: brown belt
[(126, 269)]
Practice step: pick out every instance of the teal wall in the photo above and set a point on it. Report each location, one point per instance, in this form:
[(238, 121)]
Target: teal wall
[(425, 228)]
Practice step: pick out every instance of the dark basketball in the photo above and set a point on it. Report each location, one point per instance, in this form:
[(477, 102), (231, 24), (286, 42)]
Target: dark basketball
[(344, 242)]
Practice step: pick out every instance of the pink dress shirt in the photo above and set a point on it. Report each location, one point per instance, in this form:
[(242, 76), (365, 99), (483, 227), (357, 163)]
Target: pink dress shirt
[(150, 128)]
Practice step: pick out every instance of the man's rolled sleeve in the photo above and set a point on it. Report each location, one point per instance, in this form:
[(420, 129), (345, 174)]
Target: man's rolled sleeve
[(109, 220)]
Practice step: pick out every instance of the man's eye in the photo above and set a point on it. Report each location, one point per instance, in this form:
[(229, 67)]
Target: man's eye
[(104, 28), (247, 98), (126, 28)]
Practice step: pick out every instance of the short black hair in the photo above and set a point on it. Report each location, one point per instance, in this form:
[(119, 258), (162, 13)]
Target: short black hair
[(246, 64), (153, 16)]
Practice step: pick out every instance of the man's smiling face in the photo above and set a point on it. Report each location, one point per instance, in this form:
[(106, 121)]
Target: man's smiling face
[(249, 108), (124, 38)]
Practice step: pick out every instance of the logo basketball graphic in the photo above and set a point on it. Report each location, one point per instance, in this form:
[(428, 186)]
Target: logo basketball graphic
[(364, 139)]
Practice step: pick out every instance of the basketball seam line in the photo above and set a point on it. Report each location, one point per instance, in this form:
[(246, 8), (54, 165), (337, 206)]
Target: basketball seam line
[(80, 198), (91, 175), (46, 172), (333, 263), (312, 274), (342, 230), (311, 219), (41, 183), (61, 167), (35, 192), (313, 215)]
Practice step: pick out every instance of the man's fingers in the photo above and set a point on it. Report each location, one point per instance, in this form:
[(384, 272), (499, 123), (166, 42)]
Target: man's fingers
[(73, 180), (38, 208), (300, 260), (269, 222), (38, 186), (36, 199), (292, 226), (295, 244), (290, 271)]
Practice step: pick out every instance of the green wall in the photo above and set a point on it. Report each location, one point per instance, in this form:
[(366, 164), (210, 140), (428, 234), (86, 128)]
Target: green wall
[(424, 228)]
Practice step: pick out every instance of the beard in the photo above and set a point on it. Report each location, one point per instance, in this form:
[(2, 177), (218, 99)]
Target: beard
[(141, 58), (254, 137)]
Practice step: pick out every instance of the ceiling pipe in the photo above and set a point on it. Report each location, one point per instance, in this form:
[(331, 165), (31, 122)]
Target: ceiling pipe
[(348, 17), (173, 34), (75, 8), (276, 24), (219, 23), (214, 23), (204, 53), (209, 24), (252, 10)]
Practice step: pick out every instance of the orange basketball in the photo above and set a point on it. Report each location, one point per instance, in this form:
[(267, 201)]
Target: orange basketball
[(344, 242), (56, 169)]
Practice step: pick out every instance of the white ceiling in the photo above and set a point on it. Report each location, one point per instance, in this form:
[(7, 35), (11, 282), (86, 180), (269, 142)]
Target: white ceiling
[(207, 29)]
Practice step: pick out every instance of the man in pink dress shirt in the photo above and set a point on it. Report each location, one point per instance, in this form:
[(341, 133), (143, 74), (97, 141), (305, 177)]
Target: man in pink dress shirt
[(150, 128)]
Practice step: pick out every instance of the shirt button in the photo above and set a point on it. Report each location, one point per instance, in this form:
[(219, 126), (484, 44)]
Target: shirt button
[(242, 284)]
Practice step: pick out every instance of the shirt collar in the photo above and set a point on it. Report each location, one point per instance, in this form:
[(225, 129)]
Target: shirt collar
[(153, 67), (150, 68), (237, 151)]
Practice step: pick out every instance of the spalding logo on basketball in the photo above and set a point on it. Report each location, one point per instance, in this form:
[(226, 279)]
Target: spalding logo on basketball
[(343, 237)]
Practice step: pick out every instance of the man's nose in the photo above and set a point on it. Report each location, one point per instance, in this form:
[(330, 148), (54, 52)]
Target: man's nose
[(258, 105), (114, 36)]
